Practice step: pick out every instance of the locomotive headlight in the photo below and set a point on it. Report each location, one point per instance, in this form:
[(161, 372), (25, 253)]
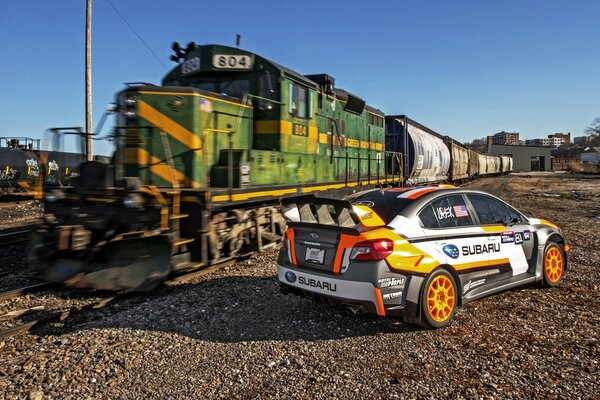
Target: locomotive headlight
[(54, 196), (129, 102), (133, 200)]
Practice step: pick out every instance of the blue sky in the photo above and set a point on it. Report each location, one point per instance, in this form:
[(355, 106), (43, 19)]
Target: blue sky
[(463, 68)]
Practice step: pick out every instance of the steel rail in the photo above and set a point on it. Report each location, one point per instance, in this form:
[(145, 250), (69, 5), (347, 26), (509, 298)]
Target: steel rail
[(11, 294)]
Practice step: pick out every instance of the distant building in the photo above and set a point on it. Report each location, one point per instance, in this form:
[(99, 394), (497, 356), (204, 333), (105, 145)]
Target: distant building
[(525, 158), (562, 163), (565, 136), (582, 140), (591, 156), (508, 138), (546, 142)]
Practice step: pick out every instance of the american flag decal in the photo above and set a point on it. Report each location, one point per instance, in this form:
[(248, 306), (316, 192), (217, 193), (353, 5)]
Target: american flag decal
[(461, 211)]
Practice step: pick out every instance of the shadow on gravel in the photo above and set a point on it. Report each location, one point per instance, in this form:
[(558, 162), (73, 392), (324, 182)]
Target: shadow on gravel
[(233, 309)]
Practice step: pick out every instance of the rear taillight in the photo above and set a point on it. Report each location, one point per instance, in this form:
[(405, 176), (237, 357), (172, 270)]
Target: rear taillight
[(372, 250)]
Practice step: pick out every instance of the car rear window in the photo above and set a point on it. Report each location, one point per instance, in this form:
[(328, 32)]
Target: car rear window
[(384, 202)]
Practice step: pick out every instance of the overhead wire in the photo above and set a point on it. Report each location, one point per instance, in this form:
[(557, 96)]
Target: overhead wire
[(137, 34)]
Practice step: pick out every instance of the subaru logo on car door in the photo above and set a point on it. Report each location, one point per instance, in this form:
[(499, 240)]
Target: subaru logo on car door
[(451, 250), (314, 236)]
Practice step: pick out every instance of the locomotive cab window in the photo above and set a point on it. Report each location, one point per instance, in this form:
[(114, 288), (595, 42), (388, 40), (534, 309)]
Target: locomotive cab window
[(268, 88), (232, 86), (300, 104)]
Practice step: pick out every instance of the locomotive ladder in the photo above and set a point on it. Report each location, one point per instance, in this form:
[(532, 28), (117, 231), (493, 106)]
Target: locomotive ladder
[(180, 243)]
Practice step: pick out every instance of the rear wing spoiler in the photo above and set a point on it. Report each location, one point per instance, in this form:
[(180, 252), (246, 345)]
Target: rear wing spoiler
[(309, 210)]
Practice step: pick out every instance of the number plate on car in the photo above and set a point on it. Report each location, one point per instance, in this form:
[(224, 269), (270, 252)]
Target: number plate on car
[(315, 255)]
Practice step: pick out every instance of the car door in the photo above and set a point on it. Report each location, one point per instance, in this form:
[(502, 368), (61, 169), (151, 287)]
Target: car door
[(452, 234), (514, 240)]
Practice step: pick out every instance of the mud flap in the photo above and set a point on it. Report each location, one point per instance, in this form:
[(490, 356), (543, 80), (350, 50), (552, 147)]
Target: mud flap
[(136, 264)]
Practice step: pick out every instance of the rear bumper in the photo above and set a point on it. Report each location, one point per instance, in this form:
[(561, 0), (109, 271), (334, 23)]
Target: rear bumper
[(365, 287)]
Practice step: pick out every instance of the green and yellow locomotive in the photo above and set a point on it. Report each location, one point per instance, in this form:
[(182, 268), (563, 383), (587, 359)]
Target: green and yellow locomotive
[(200, 165)]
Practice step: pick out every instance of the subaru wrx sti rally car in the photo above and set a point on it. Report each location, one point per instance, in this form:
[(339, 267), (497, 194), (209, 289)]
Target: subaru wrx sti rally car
[(414, 252)]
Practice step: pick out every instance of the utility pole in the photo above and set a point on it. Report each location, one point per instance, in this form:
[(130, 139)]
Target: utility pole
[(88, 79)]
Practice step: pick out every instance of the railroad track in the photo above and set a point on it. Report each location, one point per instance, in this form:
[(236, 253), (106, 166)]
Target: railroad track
[(18, 236), (15, 198), (11, 294), (60, 316)]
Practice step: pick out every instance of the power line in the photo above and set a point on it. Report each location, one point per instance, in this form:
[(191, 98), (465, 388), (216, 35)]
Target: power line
[(136, 34)]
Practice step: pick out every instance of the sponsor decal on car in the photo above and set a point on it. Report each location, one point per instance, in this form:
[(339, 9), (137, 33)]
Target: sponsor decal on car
[(393, 295), (471, 284), (526, 235), (480, 249), (518, 237), (451, 251), (390, 282), (315, 283), (507, 237), (445, 212)]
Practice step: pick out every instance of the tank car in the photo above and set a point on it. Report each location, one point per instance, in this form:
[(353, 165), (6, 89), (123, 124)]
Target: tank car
[(18, 164), (22, 163), (426, 157), (200, 164)]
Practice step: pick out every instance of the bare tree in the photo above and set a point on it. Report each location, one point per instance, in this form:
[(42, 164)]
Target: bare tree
[(479, 145), (594, 128)]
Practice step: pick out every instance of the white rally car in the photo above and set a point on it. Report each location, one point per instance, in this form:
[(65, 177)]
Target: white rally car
[(415, 252)]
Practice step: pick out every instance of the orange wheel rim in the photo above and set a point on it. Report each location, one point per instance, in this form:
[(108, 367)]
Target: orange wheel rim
[(553, 264), (441, 298)]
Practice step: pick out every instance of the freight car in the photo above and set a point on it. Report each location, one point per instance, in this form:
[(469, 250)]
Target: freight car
[(430, 157), (427, 158), (200, 165), (22, 163), (506, 164)]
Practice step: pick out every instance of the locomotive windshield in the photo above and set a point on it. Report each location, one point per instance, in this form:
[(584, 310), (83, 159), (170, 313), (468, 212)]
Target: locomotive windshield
[(227, 85)]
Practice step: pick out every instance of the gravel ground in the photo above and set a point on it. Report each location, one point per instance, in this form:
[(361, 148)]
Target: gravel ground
[(20, 213), (231, 334)]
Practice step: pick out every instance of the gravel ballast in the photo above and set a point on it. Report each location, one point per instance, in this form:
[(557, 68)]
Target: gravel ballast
[(232, 334)]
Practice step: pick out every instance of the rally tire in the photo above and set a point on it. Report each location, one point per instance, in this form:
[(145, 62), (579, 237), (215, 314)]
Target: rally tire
[(439, 300), (553, 264)]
